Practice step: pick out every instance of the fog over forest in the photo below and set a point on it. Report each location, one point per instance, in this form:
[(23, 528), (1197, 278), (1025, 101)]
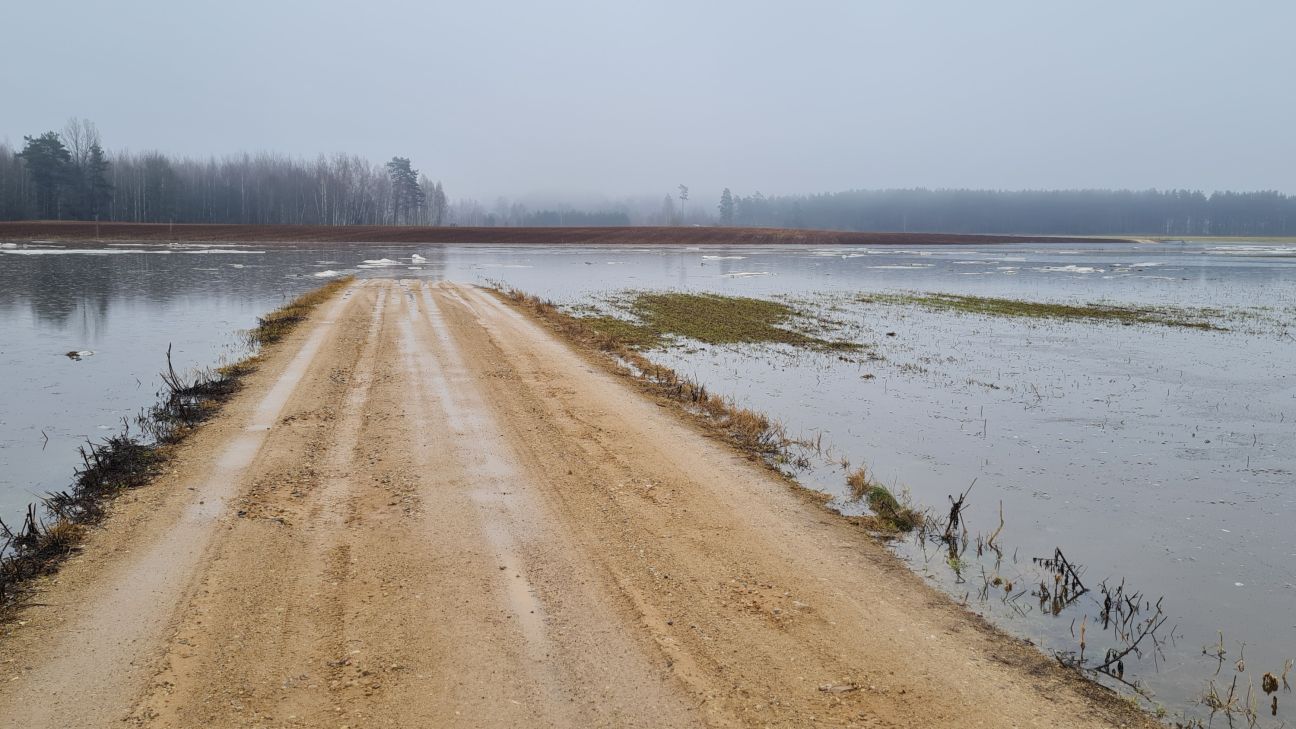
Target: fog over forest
[(821, 114)]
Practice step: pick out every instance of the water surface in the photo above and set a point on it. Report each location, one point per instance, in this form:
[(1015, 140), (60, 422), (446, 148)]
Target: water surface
[(1160, 456)]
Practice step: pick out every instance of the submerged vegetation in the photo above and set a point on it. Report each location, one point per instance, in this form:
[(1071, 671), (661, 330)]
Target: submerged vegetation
[(990, 306), (712, 319), (54, 529)]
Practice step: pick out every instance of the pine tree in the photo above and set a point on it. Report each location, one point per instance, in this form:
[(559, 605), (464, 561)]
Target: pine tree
[(668, 210), (726, 207), (98, 189), (407, 196), (48, 162), (438, 204)]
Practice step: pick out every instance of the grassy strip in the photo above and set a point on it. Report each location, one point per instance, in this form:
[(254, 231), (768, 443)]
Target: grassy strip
[(989, 306), (53, 530), (279, 323), (750, 431), (711, 319)]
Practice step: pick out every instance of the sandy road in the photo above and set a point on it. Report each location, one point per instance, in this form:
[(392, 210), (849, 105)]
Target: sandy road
[(425, 511)]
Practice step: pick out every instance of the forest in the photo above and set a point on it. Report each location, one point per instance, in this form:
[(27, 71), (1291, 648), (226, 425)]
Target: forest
[(1063, 212), (68, 175)]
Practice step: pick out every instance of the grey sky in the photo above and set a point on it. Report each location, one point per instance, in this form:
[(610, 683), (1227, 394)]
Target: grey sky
[(616, 98)]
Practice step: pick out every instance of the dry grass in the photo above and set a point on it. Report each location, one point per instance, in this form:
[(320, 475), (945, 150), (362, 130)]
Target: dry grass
[(277, 324), (858, 482), (60, 537)]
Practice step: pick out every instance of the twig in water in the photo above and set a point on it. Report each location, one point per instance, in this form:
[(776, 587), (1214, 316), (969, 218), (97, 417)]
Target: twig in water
[(1219, 652), (991, 540), (956, 512)]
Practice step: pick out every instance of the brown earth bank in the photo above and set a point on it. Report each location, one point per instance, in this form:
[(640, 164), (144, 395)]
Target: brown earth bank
[(163, 232), (423, 510)]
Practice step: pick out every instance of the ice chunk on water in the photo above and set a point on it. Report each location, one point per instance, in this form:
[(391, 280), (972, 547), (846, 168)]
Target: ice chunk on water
[(1070, 269), (378, 263)]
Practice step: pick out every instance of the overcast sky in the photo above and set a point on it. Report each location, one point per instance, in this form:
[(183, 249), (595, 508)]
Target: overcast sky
[(618, 98)]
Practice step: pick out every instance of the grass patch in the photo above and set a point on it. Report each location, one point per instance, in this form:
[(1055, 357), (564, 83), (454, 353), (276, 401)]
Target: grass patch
[(990, 306), (55, 528), (712, 319), (889, 513), (625, 331)]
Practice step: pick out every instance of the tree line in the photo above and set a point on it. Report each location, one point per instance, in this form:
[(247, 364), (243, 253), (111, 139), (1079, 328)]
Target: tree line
[(69, 176), (1067, 212)]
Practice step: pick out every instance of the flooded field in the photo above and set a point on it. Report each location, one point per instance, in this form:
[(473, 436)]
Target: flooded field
[(1156, 453)]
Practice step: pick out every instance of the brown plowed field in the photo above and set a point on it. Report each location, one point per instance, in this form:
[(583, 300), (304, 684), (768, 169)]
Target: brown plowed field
[(162, 232), (425, 511)]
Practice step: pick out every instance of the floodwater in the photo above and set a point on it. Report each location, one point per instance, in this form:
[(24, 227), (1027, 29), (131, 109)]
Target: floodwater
[(1156, 456)]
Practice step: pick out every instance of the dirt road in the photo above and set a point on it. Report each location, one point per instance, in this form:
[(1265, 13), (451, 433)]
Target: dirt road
[(424, 511)]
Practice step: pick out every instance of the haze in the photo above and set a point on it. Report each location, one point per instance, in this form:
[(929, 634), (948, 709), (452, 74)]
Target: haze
[(596, 99)]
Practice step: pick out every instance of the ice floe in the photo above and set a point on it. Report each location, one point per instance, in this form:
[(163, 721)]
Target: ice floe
[(1070, 269), (378, 263)]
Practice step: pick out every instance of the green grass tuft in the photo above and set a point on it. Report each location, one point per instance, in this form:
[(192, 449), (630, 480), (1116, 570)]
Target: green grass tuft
[(888, 512)]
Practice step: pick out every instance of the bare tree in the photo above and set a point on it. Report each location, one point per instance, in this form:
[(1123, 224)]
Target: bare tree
[(79, 135)]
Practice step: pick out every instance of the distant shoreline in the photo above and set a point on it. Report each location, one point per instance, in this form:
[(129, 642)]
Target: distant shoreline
[(377, 234)]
